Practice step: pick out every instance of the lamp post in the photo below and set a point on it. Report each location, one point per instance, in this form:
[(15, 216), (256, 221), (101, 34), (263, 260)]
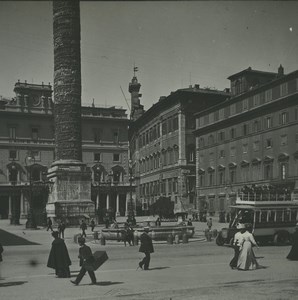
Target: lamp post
[(30, 217), (98, 190), (131, 178), (14, 220)]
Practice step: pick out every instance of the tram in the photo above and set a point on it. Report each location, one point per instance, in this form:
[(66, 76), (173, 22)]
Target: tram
[(272, 220)]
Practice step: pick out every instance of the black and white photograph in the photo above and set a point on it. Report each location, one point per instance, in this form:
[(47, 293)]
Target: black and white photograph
[(148, 150)]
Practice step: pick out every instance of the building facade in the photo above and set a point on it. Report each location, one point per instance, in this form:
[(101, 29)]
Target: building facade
[(248, 141), (27, 152), (162, 146)]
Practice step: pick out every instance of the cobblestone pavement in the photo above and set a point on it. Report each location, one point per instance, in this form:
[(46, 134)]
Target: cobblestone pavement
[(198, 270)]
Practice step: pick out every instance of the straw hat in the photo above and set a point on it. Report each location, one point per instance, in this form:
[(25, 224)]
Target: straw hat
[(240, 226)]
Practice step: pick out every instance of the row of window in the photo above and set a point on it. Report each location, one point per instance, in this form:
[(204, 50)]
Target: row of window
[(209, 178), (156, 188), (268, 144), (245, 129), (250, 102), (12, 133), (168, 125), (155, 161), (97, 156), (97, 134)]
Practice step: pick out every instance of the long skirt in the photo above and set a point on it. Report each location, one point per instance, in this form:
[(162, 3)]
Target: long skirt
[(247, 259)]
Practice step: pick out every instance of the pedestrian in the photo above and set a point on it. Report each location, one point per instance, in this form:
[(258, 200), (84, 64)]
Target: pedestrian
[(293, 255), (247, 259), (92, 224), (49, 224), (237, 241), (107, 222), (209, 223), (189, 222), (228, 217), (133, 221), (158, 222), (83, 227), (115, 224), (86, 260), (59, 257), (127, 234), (146, 247), (61, 228)]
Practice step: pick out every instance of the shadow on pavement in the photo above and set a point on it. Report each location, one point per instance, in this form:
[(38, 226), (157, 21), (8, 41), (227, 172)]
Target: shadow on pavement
[(158, 268), (6, 284), (10, 239), (103, 283)]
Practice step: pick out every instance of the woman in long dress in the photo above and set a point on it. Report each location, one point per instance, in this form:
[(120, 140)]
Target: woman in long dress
[(247, 259)]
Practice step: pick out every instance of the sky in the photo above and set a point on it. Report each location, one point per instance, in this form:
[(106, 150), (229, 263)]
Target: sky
[(173, 44)]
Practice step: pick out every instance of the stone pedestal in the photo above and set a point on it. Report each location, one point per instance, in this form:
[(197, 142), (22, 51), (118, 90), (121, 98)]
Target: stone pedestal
[(70, 192)]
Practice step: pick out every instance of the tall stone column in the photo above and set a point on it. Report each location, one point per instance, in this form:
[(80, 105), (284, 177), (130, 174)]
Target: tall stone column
[(70, 195)]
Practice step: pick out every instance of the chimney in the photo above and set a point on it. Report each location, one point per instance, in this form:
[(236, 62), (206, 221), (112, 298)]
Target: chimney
[(197, 86)]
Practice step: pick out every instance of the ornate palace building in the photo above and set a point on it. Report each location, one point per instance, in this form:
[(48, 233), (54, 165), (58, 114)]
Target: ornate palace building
[(162, 146), (27, 151), (250, 140)]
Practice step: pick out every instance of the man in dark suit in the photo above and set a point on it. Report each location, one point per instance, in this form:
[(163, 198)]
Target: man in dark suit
[(86, 260), (146, 247)]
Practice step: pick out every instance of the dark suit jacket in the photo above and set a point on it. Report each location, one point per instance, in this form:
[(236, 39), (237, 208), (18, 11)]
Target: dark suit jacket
[(146, 243), (85, 255)]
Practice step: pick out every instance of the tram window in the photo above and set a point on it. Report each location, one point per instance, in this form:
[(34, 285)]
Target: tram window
[(287, 215), (271, 216), (293, 215), (257, 217), (246, 216), (264, 216), (279, 216)]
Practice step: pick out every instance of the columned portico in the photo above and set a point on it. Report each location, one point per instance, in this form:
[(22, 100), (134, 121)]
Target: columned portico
[(22, 206), (117, 206), (108, 202)]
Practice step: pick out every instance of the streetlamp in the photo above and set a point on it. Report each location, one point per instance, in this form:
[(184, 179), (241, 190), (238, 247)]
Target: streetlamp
[(30, 217), (13, 179), (131, 179), (98, 190)]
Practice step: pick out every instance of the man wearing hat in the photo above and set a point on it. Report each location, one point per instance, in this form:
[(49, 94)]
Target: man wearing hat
[(146, 247), (86, 260), (236, 245)]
